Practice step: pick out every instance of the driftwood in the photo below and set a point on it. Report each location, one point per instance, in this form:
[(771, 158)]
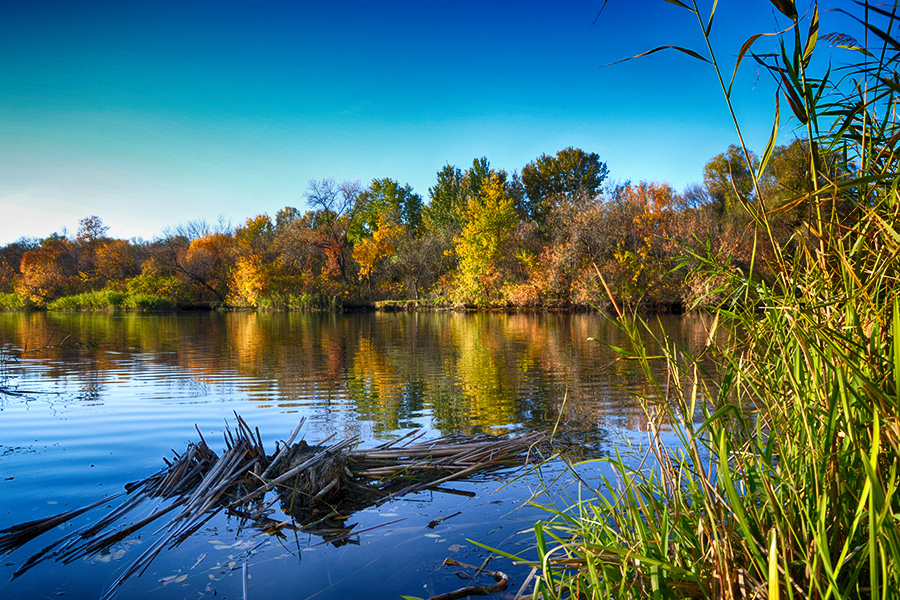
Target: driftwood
[(318, 487)]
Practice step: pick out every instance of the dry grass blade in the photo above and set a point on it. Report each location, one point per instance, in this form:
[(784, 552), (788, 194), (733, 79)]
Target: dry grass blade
[(18, 535)]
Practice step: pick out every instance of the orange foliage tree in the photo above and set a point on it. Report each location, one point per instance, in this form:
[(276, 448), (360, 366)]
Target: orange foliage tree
[(47, 272), (639, 270), (207, 264)]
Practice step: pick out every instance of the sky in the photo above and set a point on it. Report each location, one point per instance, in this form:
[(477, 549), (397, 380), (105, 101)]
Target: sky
[(152, 114)]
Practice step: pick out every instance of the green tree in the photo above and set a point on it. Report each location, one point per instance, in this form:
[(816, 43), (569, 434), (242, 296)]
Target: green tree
[(448, 201), (572, 176), (450, 195), (728, 179), (386, 200)]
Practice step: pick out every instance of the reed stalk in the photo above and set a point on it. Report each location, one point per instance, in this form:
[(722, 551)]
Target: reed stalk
[(782, 481)]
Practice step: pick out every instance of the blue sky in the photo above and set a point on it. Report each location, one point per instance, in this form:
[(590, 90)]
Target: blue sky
[(153, 114)]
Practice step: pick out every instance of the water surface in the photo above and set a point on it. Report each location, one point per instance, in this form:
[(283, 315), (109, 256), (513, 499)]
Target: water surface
[(102, 398)]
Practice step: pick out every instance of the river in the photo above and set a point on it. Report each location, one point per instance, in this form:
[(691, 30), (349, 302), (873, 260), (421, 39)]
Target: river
[(99, 399)]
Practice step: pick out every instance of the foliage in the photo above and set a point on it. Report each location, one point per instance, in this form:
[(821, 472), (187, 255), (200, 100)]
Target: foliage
[(96, 300), (167, 287), (544, 245), (304, 301), (448, 201), (572, 176), (12, 301), (729, 179), (483, 242), (47, 272), (371, 252), (385, 200)]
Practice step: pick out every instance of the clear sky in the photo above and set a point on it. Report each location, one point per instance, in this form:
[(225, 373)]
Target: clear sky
[(150, 114)]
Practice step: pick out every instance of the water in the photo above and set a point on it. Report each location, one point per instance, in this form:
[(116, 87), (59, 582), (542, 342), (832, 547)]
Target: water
[(85, 422)]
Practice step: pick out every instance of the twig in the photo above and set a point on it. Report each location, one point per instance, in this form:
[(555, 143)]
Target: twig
[(284, 450), (435, 522), (501, 578)]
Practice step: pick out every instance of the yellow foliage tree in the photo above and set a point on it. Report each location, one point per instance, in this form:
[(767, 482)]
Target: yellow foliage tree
[(371, 252), (640, 269), (250, 280), (115, 261), (490, 220)]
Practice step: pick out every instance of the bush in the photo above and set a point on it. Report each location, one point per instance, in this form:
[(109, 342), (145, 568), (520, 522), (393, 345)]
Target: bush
[(97, 300), (305, 301), (148, 302), (12, 301)]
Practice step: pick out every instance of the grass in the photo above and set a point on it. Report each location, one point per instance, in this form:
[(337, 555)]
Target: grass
[(783, 480)]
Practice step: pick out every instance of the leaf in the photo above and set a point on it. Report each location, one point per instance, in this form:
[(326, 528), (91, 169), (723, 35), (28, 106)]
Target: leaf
[(679, 3), (891, 84), (712, 13), (774, 590), (599, 12), (747, 45), (770, 146), (813, 36), (786, 7), (793, 99), (649, 52)]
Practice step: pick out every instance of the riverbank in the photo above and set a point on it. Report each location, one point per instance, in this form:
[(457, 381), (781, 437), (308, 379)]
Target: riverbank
[(104, 302)]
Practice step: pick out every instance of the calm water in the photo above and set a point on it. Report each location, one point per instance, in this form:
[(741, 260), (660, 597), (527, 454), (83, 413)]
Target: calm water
[(89, 421)]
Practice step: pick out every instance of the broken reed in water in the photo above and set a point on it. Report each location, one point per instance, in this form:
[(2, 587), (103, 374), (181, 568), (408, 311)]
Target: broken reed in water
[(310, 481)]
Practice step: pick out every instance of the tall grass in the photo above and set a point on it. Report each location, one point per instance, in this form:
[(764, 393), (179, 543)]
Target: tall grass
[(782, 482)]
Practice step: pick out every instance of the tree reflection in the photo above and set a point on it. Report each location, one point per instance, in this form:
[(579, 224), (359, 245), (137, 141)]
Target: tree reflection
[(461, 372)]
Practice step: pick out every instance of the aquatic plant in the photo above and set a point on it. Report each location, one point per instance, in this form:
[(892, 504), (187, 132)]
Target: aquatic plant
[(782, 477)]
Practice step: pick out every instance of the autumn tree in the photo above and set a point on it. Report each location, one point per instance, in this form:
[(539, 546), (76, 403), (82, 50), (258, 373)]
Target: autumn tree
[(372, 251), (91, 235), (483, 244), (334, 207), (640, 267), (11, 261), (116, 260), (421, 262), (208, 262), (48, 272)]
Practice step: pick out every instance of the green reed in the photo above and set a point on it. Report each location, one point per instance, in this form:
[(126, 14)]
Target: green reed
[(782, 482)]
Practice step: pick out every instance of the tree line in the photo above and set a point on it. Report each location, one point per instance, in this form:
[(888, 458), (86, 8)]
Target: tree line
[(558, 234)]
